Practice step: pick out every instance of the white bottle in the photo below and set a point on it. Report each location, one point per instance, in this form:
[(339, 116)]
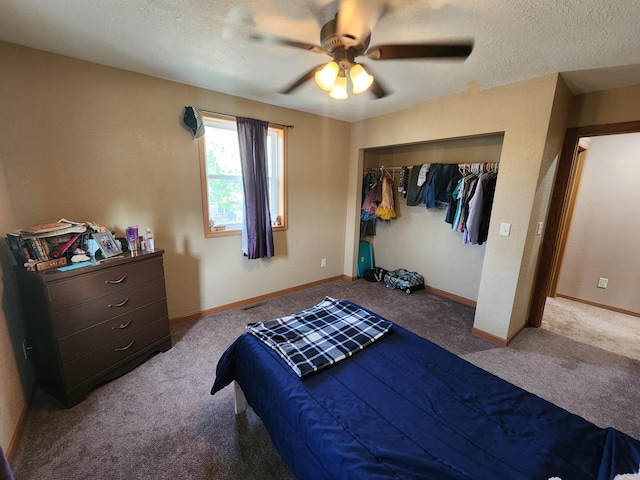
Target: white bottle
[(149, 239)]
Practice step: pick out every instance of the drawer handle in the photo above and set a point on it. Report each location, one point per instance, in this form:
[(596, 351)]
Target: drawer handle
[(115, 282), (121, 304), (122, 349), (123, 326)]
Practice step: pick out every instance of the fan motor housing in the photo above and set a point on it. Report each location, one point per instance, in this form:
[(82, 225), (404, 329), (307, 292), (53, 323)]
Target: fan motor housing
[(334, 42)]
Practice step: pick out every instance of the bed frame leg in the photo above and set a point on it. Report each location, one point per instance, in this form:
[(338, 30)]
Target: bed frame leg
[(240, 400)]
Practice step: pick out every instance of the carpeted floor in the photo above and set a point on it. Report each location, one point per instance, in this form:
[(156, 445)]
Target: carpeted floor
[(606, 329), (159, 421)]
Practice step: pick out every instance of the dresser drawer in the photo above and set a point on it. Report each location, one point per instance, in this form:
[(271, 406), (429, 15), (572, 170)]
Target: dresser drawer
[(83, 288), (93, 312), (110, 355), (92, 324), (112, 330)]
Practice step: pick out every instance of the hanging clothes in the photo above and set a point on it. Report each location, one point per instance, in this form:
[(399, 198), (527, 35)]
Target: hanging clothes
[(435, 194), (374, 197), (415, 192), (366, 185), (369, 204), (472, 226), (385, 210), (451, 198), (404, 182), (474, 196), (489, 190), (459, 194)]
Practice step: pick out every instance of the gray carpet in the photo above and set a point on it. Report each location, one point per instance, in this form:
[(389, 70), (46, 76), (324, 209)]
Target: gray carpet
[(160, 422)]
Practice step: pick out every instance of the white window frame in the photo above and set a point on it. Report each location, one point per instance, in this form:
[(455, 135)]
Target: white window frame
[(277, 167)]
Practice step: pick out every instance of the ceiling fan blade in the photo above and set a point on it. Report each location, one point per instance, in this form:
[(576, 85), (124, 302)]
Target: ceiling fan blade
[(356, 18), (426, 50), (302, 79), (289, 43), (376, 87)]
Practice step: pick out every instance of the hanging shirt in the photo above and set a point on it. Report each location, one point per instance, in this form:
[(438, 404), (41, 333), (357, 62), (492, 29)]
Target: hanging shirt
[(489, 191), (415, 193), (472, 226), (385, 210), (458, 194), (422, 175), (440, 174)]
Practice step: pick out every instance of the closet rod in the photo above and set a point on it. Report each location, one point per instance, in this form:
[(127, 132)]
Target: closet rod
[(375, 169), (234, 117)]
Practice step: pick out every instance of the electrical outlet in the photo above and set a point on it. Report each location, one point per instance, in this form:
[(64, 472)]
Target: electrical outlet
[(602, 282), (323, 262)]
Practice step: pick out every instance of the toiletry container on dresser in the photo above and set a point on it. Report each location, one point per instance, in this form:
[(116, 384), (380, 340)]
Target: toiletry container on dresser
[(90, 325)]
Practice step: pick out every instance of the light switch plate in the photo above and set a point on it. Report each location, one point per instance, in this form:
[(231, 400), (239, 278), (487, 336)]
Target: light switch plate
[(505, 229)]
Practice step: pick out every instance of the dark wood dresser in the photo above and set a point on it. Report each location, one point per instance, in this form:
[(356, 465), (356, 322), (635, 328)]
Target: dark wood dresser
[(90, 325)]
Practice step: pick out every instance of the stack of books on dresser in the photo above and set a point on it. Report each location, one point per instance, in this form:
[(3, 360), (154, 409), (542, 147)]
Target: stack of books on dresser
[(45, 245)]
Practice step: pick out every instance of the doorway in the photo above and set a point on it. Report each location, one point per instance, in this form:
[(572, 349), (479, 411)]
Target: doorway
[(559, 210)]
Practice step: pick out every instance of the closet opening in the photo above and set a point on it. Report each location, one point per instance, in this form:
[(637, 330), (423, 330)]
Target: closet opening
[(418, 238)]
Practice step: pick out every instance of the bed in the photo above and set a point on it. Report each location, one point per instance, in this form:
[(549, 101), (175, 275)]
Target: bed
[(405, 408)]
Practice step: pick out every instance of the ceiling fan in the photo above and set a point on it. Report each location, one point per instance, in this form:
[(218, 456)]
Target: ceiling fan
[(346, 37)]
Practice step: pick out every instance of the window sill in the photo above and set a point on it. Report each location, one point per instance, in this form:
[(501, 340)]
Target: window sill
[(230, 232)]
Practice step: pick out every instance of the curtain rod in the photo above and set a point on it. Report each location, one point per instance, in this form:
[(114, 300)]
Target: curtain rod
[(234, 116)]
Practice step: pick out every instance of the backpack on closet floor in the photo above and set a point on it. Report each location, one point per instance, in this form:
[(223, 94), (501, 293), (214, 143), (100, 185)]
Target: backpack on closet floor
[(405, 280), (375, 274)]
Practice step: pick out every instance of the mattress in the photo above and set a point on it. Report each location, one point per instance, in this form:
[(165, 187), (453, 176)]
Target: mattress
[(405, 408)]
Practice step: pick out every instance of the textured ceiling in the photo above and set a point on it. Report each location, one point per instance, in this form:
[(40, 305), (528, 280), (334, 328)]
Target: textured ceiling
[(204, 43)]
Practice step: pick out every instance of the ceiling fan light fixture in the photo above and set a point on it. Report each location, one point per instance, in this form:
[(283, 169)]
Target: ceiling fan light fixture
[(360, 79), (326, 78), (339, 90)]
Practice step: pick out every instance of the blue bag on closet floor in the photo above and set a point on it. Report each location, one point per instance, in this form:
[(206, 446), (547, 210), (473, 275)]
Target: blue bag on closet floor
[(404, 280), (365, 257)]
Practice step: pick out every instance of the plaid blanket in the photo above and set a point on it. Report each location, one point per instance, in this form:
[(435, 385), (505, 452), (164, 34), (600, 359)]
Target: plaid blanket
[(320, 336)]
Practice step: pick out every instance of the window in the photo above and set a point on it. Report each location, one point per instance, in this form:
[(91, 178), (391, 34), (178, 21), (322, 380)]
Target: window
[(221, 176)]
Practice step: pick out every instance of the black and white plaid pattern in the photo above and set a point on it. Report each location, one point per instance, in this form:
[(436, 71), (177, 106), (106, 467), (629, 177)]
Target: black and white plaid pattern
[(321, 335)]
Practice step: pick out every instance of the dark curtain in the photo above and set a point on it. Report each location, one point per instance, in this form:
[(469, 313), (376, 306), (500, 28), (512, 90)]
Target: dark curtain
[(257, 235)]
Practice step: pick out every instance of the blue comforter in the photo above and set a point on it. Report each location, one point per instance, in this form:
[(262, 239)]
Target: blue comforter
[(405, 408)]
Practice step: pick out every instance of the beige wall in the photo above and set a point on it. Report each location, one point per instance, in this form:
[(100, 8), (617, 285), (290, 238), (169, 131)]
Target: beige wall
[(545, 182), (610, 106), (88, 142), (94, 143), (16, 379), (605, 226), (522, 111)]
